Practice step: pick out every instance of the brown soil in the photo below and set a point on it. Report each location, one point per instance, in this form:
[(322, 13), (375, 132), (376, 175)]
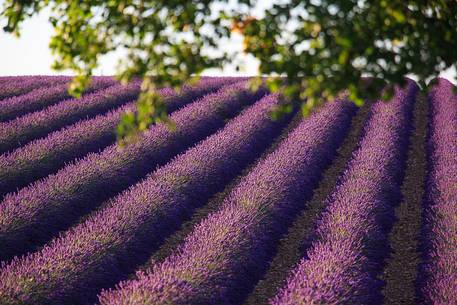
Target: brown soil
[(401, 267), (173, 241), (293, 244)]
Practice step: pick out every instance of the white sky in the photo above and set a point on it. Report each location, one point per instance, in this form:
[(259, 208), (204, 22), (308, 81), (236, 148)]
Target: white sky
[(30, 54)]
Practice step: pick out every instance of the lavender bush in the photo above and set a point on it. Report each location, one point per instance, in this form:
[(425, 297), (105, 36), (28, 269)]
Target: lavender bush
[(43, 97), (226, 252), (336, 267), (37, 212), (23, 129), (439, 276), (21, 85), (91, 256), (44, 156)]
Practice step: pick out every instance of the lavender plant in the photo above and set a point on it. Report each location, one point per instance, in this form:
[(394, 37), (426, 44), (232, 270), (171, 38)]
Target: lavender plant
[(336, 269), (21, 130), (225, 253), (98, 252), (37, 212), (44, 156), (439, 276), (12, 86), (42, 97)]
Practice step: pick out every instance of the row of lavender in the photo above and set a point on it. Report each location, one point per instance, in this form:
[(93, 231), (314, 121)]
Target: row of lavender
[(44, 96), (44, 156), (55, 202), (19, 131), (338, 268), (439, 276), (98, 252), (12, 86), (224, 255)]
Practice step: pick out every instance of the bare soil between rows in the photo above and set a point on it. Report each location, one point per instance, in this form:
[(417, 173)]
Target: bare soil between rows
[(294, 243), (401, 269)]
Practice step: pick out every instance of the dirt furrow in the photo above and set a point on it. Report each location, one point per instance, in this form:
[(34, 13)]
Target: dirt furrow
[(295, 241), (401, 267), (173, 241)]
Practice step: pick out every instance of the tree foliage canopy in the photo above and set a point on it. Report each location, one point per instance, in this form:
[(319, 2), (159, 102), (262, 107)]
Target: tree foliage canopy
[(321, 46)]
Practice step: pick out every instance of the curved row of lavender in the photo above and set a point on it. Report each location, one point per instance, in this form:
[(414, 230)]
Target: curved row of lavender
[(20, 78), (227, 252), (23, 85), (336, 269), (44, 156), (9, 79), (99, 252), (21, 130), (440, 265), (37, 212), (44, 96)]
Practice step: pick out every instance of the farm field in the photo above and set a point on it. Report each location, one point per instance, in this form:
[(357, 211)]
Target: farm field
[(347, 206)]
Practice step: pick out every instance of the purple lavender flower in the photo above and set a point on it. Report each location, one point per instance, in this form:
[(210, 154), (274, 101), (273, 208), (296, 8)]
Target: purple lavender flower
[(43, 97), (44, 156), (37, 212), (225, 252), (21, 85), (335, 269), (21, 130), (88, 257), (440, 267)]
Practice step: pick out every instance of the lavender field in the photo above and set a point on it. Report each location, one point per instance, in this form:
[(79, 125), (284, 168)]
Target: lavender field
[(347, 206)]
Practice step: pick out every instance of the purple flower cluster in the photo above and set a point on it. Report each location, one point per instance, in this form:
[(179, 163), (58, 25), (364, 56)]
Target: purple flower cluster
[(88, 257), (43, 97), (440, 266), (9, 79), (12, 86), (225, 253), (336, 269), (37, 212), (23, 129), (44, 156)]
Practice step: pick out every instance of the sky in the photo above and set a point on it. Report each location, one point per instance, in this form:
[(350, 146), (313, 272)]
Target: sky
[(30, 54)]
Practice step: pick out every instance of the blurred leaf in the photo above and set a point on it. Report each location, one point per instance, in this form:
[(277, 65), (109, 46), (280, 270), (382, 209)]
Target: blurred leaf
[(319, 48)]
